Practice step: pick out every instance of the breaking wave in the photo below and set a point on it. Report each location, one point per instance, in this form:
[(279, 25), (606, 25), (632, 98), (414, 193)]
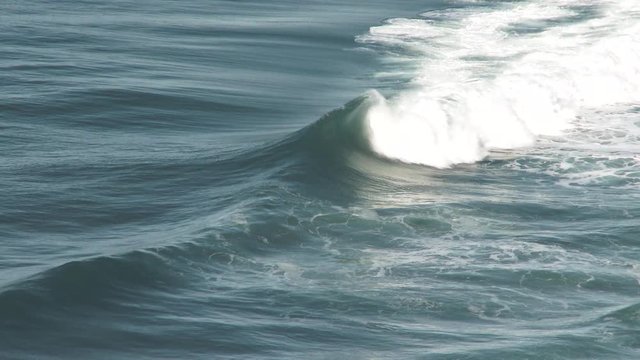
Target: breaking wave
[(494, 78)]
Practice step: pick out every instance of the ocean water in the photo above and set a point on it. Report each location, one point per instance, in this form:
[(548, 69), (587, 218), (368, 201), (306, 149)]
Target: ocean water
[(436, 179)]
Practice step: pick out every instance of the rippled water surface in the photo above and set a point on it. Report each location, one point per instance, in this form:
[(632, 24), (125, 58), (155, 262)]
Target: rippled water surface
[(321, 179)]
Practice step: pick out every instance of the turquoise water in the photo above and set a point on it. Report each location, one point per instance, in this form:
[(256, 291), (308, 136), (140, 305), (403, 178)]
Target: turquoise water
[(322, 180)]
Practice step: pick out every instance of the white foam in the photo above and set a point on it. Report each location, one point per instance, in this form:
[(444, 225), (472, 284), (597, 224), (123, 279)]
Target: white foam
[(483, 85), (601, 149)]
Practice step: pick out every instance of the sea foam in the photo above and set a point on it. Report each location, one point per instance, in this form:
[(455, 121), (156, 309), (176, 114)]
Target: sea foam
[(498, 78)]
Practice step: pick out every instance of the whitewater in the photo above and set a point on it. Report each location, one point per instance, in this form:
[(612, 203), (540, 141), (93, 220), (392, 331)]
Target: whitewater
[(484, 82)]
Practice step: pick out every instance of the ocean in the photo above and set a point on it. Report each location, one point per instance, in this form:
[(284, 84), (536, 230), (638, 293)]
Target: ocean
[(278, 179)]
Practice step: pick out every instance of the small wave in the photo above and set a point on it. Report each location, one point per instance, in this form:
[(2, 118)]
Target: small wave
[(84, 281)]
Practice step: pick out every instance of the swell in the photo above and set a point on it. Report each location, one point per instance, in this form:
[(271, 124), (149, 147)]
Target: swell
[(110, 303), (98, 280), (97, 189), (332, 138), (147, 278), (114, 108)]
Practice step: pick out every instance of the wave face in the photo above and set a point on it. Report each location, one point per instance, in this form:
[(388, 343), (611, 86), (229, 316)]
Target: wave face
[(500, 77)]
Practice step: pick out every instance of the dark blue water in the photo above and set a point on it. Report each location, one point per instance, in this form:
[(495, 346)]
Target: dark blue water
[(214, 179)]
